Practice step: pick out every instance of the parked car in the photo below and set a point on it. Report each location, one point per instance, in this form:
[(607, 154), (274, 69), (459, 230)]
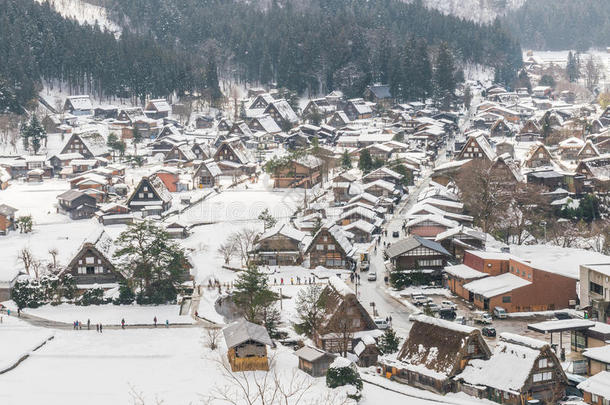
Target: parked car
[(500, 313), (562, 315), (447, 314), (482, 317), (571, 400), (433, 307), (372, 276), (421, 300), (460, 319), (381, 323), (488, 331), (395, 234), (449, 305)]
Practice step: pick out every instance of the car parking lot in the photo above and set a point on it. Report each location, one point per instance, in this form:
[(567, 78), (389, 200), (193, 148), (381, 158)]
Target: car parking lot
[(468, 313)]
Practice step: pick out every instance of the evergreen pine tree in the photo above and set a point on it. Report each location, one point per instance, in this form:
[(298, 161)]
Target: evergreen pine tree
[(346, 160), (252, 294), (388, 342), (366, 162), (444, 75)]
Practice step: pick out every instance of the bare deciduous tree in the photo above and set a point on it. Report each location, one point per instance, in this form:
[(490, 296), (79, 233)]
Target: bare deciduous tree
[(54, 252), (26, 257), (212, 336), (484, 193), (227, 251), (243, 241)]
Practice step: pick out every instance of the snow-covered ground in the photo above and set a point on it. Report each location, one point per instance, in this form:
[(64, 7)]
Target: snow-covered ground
[(163, 365), (483, 11), (18, 338), (110, 314), (37, 199), (84, 13)]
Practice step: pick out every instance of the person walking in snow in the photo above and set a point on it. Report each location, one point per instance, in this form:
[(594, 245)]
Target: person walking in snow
[(123, 323), (88, 324), (97, 327), (100, 328), (167, 323), (155, 321)]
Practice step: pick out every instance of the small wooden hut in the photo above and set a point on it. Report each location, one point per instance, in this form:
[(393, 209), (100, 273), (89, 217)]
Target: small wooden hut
[(247, 346)]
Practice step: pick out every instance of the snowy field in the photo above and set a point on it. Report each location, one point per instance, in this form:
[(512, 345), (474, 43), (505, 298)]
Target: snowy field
[(170, 366), (37, 199), (111, 314), (18, 338)]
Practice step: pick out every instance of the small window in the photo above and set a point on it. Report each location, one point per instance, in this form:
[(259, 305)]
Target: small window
[(140, 195), (506, 299), (594, 398), (547, 376), (331, 247), (150, 195), (470, 348), (90, 260), (543, 363), (319, 247), (537, 377)]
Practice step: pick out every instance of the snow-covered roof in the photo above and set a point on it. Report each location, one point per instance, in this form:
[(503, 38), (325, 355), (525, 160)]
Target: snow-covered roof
[(81, 102), (599, 384), (490, 287), (601, 354), (286, 230), (433, 218), (310, 354), (412, 242), (456, 327), (341, 362), (507, 370), (464, 272), (339, 286), (361, 225), (284, 109), (242, 331), (561, 325)]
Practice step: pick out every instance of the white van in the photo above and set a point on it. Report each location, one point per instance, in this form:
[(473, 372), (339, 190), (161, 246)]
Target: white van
[(500, 313), (482, 317), (381, 323)]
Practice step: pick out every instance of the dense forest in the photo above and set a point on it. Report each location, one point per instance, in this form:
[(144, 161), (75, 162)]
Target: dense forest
[(320, 45), (178, 46), (562, 24), (37, 43)]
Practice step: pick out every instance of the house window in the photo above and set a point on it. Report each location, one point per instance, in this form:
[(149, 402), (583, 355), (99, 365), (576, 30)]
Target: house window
[(356, 322), (325, 238), (506, 299), (537, 377), (145, 188), (470, 348), (90, 260), (319, 247), (90, 270), (594, 398), (140, 195), (543, 363), (331, 247), (150, 195)]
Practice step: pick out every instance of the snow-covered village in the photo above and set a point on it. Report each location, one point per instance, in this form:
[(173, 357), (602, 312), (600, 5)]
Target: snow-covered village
[(305, 207)]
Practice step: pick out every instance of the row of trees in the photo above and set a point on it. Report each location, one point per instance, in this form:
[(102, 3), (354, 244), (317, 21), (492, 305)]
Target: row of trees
[(321, 45)]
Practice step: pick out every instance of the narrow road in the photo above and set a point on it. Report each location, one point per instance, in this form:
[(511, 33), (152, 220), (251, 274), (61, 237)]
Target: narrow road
[(377, 292)]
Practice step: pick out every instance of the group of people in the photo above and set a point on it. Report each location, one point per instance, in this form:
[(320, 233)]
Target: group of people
[(305, 280), (78, 325)]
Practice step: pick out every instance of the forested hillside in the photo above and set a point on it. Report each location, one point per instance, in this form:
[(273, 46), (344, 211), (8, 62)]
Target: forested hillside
[(319, 45), (37, 43), (562, 24)]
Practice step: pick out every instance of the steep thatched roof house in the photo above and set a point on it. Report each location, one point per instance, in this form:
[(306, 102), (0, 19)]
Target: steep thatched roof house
[(345, 320), (520, 369), (435, 351)]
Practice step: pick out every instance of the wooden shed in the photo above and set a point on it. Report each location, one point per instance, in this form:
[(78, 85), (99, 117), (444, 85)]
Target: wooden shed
[(314, 362), (247, 346)]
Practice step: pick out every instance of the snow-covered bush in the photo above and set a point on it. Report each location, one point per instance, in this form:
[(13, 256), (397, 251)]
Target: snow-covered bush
[(92, 296), (126, 296), (343, 372)]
